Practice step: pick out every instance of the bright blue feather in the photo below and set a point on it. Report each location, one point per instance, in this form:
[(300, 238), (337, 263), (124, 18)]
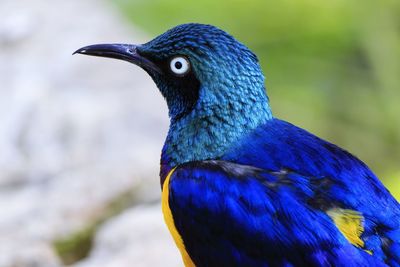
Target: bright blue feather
[(235, 215)]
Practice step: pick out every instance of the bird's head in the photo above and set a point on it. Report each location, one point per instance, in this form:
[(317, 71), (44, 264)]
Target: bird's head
[(212, 83), (196, 67)]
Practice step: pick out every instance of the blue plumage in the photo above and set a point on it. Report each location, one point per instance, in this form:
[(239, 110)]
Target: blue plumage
[(242, 188), (254, 219), (275, 198)]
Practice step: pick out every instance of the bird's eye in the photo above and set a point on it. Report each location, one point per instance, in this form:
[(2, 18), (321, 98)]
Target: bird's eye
[(179, 65)]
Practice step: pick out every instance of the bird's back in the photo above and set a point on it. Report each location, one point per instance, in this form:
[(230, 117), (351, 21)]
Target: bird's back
[(279, 145)]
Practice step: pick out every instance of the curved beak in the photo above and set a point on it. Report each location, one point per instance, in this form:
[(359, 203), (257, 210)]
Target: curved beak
[(124, 52)]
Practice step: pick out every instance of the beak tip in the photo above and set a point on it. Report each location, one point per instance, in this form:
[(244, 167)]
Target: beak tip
[(79, 51)]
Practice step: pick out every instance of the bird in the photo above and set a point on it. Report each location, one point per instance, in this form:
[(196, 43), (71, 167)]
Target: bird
[(242, 188)]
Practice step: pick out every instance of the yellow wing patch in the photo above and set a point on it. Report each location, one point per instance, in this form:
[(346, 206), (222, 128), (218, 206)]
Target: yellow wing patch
[(169, 220), (350, 223)]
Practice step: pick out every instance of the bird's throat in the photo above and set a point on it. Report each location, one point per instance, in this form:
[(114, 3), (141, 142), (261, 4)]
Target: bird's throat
[(208, 132)]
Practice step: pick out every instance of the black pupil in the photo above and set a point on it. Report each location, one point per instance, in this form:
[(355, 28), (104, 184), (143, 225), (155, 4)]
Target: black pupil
[(178, 65)]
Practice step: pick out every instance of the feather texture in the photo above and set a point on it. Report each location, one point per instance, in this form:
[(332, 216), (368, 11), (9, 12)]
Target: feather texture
[(283, 196)]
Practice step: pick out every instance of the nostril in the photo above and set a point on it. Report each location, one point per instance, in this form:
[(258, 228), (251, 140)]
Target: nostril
[(132, 50)]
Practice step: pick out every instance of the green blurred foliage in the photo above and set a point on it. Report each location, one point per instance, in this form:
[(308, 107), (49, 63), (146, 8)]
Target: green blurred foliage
[(332, 67), (77, 246)]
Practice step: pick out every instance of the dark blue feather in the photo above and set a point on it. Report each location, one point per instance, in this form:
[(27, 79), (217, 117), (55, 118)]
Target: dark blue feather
[(235, 215)]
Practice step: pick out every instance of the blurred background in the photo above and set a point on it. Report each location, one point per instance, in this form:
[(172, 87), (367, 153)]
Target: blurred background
[(80, 137)]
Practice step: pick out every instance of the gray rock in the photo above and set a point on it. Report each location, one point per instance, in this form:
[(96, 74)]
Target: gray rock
[(136, 238), (75, 131)]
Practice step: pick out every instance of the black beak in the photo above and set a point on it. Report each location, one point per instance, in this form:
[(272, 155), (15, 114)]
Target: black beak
[(125, 52)]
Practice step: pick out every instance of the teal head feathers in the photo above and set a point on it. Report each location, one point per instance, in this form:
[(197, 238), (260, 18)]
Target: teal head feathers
[(213, 86)]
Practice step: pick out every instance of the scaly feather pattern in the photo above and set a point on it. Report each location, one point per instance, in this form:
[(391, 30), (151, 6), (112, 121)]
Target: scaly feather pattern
[(242, 188)]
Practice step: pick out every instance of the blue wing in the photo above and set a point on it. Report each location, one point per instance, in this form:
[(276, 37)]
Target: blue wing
[(236, 215), (267, 203)]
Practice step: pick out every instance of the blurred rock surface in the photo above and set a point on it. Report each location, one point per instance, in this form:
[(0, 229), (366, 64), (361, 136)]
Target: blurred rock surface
[(75, 133), (117, 242)]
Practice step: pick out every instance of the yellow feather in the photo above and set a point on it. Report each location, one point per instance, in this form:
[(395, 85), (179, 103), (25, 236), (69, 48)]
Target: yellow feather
[(169, 220), (350, 223)]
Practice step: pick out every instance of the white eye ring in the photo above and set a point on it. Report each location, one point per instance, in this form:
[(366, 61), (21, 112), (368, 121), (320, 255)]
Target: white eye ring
[(179, 65)]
